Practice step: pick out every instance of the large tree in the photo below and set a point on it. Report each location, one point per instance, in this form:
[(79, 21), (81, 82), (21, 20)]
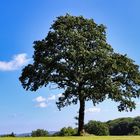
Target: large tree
[(76, 56)]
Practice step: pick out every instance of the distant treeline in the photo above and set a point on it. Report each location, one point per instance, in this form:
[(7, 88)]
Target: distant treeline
[(8, 135), (124, 126), (120, 126)]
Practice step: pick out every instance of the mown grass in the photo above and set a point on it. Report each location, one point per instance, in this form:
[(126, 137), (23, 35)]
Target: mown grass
[(78, 138)]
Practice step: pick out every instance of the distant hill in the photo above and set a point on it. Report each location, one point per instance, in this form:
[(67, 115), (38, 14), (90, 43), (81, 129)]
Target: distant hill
[(52, 132), (23, 135), (116, 127), (29, 134)]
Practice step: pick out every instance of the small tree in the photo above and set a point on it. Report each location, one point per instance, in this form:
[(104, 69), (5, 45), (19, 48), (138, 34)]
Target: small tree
[(76, 56), (97, 128), (12, 134), (69, 131), (39, 133)]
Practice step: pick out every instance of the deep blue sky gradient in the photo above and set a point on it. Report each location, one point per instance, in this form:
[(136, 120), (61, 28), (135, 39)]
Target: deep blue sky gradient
[(24, 21)]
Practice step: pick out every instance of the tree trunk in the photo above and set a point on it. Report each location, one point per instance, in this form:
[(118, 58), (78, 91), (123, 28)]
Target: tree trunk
[(81, 118)]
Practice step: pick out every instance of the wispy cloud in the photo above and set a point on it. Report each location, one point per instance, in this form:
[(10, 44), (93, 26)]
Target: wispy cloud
[(59, 95), (138, 104), (42, 102), (53, 97), (18, 61), (40, 99), (42, 105), (93, 110)]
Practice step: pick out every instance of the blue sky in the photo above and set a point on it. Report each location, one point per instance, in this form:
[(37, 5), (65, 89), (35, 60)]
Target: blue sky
[(21, 23)]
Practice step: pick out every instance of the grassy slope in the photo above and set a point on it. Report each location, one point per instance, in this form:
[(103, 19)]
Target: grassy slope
[(80, 138)]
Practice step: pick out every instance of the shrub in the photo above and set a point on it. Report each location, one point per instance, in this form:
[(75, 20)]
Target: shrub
[(39, 133), (97, 128), (67, 131)]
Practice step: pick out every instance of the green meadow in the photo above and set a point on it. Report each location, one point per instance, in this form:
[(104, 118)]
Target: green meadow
[(78, 138)]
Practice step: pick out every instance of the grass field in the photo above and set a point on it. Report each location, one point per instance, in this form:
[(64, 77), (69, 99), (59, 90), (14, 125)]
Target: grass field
[(80, 138)]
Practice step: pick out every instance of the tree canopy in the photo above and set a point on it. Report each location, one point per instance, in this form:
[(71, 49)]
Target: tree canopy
[(75, 55)]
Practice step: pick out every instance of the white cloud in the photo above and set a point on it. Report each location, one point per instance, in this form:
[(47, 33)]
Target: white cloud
[(40, 99), (53, 97), (92, 110), (59, 95), (42, 102), (18, 61), (42, 105), (138, 103)]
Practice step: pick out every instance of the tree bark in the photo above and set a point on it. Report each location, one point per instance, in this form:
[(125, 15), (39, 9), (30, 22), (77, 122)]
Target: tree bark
[(81, 117)]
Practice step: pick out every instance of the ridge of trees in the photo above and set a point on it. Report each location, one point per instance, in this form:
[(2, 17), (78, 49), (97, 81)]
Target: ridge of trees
[(124, 126), (119, 126), (116, 127)]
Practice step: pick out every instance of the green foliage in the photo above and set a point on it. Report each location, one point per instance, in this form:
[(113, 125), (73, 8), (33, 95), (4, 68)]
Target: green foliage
[(124, 126), (136, 121), (136, 130), (39, 133), (76, 56), (97, 128), (120, 126), (67, 131), (9, 135)]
